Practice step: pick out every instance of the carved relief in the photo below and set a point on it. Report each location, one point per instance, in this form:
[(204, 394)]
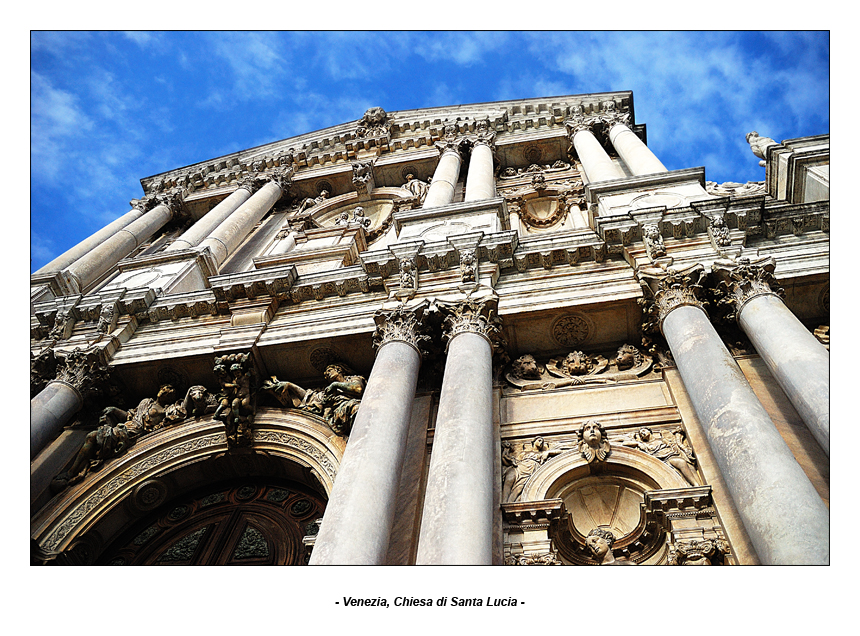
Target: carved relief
[(308, 203), (118, 430), (593, 442), (236, 403), (359, 218), (199, 401), (719, 232), (374, 123), (671, 448), (571, 330), (337, 403), (547, 558), (468, 266), (518, 466), (732, 189), (64, 324), (362, 178)]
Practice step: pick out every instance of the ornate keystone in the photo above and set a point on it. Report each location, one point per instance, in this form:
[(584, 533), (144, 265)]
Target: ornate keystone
[(740, 281), (665, 290), (402, 325)]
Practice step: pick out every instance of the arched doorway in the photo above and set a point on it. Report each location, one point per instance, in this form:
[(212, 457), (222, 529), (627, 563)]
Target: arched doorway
[(243, 522)]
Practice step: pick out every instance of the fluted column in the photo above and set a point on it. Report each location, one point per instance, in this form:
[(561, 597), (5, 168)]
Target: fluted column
[(87, 269), (595, 161), (230, 233), (356, 527), (795, 357), (457, 520), (441, 191), (212, 219), (54, 406), (783, 514), (81, 249), (480, 182), (637, 156)]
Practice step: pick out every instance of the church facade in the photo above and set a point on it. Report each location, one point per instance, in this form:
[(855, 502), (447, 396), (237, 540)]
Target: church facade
[(489, 334)]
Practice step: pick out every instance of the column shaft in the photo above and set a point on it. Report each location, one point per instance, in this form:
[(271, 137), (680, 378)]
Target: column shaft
[(81, 249), (230, 233), (796, 359), (457, 522), (480, 183), (785, 518), (596, 163), (212, 219), (50, 410), (356, 527), (441, 191), (635, 154), (91, 266)]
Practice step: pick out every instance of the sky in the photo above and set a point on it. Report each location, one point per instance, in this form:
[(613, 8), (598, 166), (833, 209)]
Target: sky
[(108, 108)]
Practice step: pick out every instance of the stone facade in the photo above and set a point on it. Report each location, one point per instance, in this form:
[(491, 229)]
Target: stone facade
[(499, 333)]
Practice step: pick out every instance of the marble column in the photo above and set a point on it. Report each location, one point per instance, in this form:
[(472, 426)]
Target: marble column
[(87, 269), (480, 182), (457, 520), (784, 516), (230, 233), (53, 407), (595, 161), (84, 247), (441, 191), (795, 357), (637, 156), (356, 526), (212, 219)]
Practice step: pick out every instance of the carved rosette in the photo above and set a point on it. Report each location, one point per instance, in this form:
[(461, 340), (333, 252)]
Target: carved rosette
[(741, 281), (403, 325), (473, 316), (665, 290), (84, 371)]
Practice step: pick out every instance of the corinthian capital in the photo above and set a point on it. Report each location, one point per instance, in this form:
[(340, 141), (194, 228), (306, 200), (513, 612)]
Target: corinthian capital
[(283, 177), (403, 325), (666, 289), (473, 316), (740, 281), (83, 370)]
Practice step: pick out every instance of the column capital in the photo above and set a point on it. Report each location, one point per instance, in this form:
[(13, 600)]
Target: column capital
[(403, 324), (738, 282), (484, 135), (283, 178), (172, 201), (666, 289), (83, 370), (614, 118), (580, 122), (473, 316)]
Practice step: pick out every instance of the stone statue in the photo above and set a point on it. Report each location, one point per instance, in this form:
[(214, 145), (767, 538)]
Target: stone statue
[(593, 442), (669, 447), (518, 467), (310, 203), (599, 542), (342, 218), (235, 400), (759, 146), (199, 401), (417, 187), (118, 430), (653, 241), (358, 217), (337, 403)]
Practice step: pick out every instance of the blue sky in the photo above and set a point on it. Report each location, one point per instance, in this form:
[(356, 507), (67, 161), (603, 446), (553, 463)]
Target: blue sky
[(109, 108)]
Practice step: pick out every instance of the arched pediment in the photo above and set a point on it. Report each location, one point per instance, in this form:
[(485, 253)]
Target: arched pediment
[(137, 477)]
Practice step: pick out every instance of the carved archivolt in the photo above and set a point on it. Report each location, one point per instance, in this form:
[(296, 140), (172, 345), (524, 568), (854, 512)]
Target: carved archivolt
[(292, 435)]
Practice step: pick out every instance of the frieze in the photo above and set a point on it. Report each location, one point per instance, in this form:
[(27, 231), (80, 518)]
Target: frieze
[(669, 447)]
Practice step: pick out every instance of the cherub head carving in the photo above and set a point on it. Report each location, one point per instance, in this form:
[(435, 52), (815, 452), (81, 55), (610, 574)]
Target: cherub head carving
[(593, 442)]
